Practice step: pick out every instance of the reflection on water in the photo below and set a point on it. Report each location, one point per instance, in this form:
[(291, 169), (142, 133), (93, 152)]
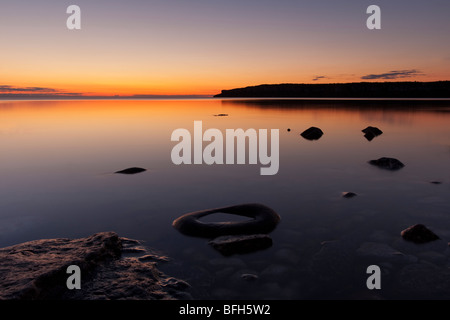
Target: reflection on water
[(58, 160)]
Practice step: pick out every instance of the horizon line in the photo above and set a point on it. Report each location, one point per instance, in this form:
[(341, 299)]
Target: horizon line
[(15, 96), (61, 95)]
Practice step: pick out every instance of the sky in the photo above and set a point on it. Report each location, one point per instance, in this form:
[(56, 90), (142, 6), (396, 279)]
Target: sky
[(199, 47)]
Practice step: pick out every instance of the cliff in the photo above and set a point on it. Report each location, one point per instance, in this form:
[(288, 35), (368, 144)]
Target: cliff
[(438, 89)]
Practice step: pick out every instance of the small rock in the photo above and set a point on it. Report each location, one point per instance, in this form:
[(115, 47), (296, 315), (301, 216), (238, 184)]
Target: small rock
[(249, 277), (371, 132), (312, 133), (221, 115), (436, 182), (132, 170), (387, 163), (348, 195), (419, 234), (289, 130)]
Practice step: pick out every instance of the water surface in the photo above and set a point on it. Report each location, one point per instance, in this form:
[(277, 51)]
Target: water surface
[(58, 160)]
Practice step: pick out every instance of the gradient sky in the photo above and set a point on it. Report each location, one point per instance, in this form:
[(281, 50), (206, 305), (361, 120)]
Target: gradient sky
[(203, 46)]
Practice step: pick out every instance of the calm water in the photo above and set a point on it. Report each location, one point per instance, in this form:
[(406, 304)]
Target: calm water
[(58, 159)]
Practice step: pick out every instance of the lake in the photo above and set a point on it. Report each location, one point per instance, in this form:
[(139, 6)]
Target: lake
[(58, 160)]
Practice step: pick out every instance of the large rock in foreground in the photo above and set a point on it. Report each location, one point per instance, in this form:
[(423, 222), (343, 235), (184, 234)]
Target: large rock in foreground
[(37, 270)]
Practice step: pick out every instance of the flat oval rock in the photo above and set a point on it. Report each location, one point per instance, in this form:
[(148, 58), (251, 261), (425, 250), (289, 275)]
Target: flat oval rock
[(262, 220), (132, 170), (387, 163)]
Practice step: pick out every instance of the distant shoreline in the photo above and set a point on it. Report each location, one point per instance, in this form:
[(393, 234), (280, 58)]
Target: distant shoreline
[(42, 97), (304, 99), (354, 91), (360, 90)]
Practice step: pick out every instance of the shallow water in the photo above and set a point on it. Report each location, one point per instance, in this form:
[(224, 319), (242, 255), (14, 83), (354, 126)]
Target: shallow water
[(58, 159)]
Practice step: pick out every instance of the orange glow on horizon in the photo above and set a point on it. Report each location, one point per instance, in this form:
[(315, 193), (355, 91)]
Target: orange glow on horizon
[(176, 88)]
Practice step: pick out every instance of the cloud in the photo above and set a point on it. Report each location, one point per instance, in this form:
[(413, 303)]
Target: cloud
[(319, 77), (7, 88), (13, 91), (395, 74)]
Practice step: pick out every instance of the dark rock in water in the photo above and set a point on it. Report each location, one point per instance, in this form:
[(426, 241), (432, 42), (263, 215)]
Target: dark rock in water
[(419, 234), (372, 132), (349, 195), (312, 133), (241, 244), (387, 163), (221, 115), (436, 182), (37, 270), (289, 130), (132, 170)]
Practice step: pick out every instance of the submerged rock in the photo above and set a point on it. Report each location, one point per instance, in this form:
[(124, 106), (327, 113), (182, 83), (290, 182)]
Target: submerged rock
[(387, 163), (372, 132), (249, 277), (241, 244), (383, 252), (132, 170), (334, 261), (419, 234), (423, 280), (229, 245), (37, 270), (312, 133)]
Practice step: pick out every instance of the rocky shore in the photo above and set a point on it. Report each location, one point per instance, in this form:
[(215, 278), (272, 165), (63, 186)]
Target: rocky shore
[(112, 268), (436, 89)]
